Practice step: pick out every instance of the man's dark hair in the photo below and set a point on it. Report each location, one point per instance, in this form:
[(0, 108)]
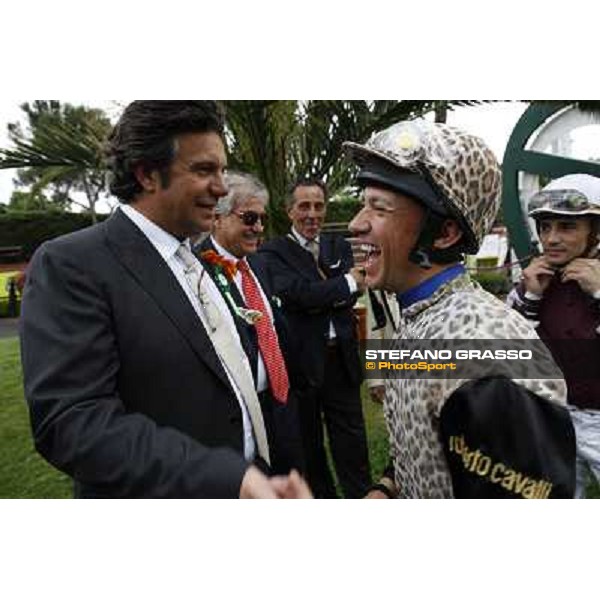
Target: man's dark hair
[(145, 136), (305, 182)]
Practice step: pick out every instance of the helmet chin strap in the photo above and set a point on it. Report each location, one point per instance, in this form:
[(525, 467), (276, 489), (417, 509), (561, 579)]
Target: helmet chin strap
[(423, 252), (592, 250), (419, 255)]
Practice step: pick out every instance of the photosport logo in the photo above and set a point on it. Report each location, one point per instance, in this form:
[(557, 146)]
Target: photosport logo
[(461, 359)]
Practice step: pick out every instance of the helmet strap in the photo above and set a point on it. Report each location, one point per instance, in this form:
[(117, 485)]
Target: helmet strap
[(424, 254), (594, 238)]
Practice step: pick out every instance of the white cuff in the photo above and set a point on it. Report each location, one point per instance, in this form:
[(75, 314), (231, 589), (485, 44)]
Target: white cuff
[(596, 295), (532, 296), (351, 283)]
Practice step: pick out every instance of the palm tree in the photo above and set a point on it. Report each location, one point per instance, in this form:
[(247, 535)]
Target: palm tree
[(62, 150), (281, 141)]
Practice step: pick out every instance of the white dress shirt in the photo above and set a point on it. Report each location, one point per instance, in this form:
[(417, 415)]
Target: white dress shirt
[(167, 245)]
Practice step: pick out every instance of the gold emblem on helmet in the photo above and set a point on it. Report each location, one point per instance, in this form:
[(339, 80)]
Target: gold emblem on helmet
[(406, 141)]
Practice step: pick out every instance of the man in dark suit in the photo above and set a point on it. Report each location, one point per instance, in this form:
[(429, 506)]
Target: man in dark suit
[(229, 256), (133, 374), (313, 274)]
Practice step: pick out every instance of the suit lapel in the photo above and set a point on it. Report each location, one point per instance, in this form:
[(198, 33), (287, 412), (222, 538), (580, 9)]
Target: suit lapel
[(301, 259), (233, 288), (246, 331), (136, 253)]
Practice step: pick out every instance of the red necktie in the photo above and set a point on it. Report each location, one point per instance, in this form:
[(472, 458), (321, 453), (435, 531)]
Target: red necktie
[(267, 338)]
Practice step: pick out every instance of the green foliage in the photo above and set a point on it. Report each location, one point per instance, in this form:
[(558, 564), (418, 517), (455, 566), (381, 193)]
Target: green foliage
[(495, 282), (343, 211), (61, 150), (23, 472), (278, 141), (22, 201), (30, 229), (283, 141)]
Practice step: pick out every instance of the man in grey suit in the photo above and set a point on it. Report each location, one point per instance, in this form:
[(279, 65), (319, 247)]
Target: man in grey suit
[(134, 375)]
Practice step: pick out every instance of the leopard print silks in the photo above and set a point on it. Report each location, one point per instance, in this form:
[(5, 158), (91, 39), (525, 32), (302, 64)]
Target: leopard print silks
[(459, 309)]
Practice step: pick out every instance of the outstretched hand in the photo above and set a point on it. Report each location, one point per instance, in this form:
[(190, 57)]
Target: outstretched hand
[(255, 485), (292, 487)]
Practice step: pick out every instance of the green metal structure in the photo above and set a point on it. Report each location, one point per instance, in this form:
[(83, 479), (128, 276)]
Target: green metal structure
[(517, 159)]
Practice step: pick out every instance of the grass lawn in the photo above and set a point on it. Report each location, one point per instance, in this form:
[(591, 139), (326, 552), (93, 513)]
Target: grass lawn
[(24, 474)]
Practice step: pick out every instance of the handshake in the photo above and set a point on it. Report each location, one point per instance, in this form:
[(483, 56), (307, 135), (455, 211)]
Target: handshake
[(255, 485)]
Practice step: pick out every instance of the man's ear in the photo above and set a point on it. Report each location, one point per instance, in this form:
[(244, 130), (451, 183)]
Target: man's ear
[(217, 223), (449, 234), (149, 180)]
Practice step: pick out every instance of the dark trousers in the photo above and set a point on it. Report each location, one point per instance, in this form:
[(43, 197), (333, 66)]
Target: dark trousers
[(283, 433), (337, 402)]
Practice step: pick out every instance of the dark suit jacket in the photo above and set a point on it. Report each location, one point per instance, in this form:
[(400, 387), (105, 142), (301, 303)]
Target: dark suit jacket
[(246, 331), (280, 420), (311, 302), (125, 390)]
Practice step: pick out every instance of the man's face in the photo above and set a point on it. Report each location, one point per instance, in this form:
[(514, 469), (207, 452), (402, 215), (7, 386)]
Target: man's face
[(388, 227), (235, 236), (308, 211), (186, 205), (564, 239)]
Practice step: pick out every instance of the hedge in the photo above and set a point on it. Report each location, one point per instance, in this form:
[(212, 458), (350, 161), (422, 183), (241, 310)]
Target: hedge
[(30, 229)]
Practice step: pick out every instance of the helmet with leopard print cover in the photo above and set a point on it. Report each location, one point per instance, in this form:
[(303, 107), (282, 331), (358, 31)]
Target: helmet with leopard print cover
[(453, 173)]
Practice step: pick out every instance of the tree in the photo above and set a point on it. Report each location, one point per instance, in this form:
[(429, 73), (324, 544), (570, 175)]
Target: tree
[(60, 151), (278, 141), (36, 200), (281, 141)]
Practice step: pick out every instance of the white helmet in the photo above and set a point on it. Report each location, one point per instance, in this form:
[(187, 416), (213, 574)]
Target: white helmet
[(575, 195)]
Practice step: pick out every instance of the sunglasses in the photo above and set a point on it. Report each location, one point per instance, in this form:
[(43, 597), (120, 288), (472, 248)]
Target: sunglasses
[(250, 218), (564, 200)]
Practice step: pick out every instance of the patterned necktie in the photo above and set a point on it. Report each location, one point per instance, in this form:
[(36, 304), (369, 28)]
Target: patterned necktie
[(228, 351), (267, 338), (313, 247)]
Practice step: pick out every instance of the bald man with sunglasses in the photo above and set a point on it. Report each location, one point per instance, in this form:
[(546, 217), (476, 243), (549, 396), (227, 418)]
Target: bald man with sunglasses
[(229, 257)]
